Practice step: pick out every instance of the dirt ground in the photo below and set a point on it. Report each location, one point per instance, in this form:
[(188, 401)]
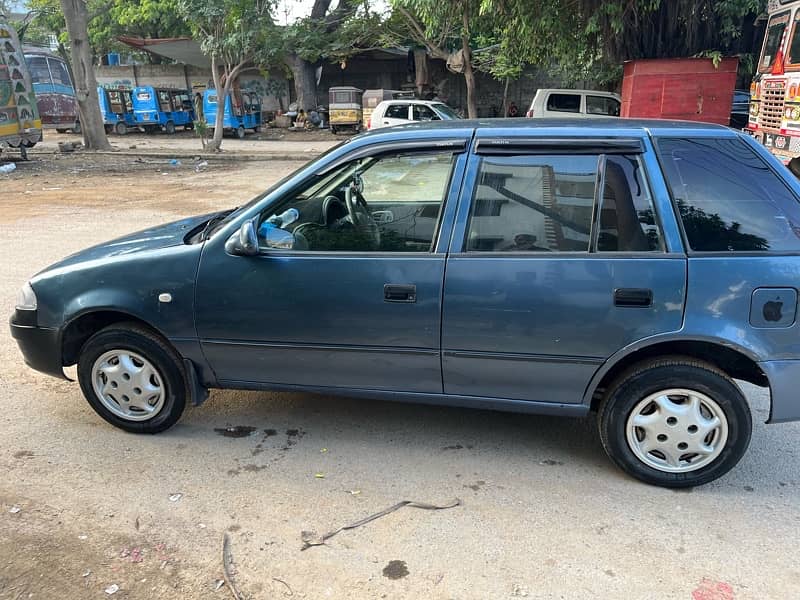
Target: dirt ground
[(543, 513)]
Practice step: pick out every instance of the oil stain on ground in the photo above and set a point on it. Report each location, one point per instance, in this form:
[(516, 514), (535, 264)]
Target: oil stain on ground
[(237, 431), (396, 569)]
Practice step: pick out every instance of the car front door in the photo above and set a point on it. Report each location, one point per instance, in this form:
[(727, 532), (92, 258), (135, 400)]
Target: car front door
[(354, 306), (558, 261)]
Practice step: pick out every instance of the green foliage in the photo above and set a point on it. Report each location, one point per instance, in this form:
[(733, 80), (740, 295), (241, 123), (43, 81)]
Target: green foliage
[(232, 31), (335, 37), (590, 39), (109, 20)]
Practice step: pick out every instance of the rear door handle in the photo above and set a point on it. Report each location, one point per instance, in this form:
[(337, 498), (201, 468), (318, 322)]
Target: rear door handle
[(634, 297), (399, 293)]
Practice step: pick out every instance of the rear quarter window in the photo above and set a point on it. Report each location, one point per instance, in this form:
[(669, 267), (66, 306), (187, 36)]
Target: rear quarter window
[(564, 102), (728, 198)]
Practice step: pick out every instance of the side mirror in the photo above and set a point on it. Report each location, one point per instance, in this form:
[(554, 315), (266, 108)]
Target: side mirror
[(279, 239), (244, 242)]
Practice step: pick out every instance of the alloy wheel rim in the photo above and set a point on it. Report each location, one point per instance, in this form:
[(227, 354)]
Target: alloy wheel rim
[(128, 385), (677, 430)]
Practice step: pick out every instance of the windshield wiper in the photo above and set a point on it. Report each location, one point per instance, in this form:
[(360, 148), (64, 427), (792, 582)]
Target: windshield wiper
[(208, 229)]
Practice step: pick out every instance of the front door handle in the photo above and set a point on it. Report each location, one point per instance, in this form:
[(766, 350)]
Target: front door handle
[(399, 293), (634, 297)]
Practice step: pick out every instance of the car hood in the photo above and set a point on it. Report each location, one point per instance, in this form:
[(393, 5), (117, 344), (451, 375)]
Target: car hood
[(153, 238)]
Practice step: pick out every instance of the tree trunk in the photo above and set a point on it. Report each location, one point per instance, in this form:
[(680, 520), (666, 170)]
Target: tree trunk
[(222, 95), (469, 73), (305, 82), (505, 99), (76, 16)]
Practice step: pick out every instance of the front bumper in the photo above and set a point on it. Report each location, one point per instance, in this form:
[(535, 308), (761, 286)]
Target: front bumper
[(40, 346), (783, 376)]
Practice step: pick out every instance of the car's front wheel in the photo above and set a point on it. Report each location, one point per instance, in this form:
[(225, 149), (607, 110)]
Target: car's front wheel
[(675, 422), (132, 378)]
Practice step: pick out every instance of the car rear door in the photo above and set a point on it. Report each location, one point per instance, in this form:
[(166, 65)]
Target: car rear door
[(564, 252)]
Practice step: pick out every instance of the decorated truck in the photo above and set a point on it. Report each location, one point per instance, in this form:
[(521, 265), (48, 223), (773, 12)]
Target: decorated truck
[(775, 92), (20, 125)]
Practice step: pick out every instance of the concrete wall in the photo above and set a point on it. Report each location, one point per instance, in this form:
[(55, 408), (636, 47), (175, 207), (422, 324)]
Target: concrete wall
[(274, 90)]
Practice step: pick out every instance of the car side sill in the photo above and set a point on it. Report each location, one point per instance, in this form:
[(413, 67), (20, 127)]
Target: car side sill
[(479, 402)]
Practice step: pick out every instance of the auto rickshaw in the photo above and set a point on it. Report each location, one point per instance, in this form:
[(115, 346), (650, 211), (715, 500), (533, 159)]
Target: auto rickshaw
[(242, 111), (20, 125), (154, 108), (116, 106), (345, 108)]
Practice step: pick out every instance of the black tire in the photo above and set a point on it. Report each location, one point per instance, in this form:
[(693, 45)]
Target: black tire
[(653, 376), (138, 339), (240, 132), (121, 128), (169, 128), (77, 128), (108, 128)]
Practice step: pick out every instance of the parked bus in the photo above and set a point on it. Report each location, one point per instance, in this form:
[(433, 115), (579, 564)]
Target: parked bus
[(55, 94), (116, 106), (20, 126), (162, 108)]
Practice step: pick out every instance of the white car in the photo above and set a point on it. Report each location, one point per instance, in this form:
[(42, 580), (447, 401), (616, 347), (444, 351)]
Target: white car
[(399, 112), (574, 103)]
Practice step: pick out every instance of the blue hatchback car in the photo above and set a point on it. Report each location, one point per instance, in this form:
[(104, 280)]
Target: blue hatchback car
[(632, 269)]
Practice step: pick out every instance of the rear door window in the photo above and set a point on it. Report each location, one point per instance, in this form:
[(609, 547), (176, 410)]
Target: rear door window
[(533, 204), (397, 111), (564, 102), (627, 217), (728, 198)]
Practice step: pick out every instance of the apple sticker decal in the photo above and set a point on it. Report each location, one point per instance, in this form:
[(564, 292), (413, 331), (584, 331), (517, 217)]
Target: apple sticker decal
[(772, 310)]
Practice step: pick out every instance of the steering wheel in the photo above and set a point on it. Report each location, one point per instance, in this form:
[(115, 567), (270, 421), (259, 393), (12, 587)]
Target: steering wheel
[(359, 213)]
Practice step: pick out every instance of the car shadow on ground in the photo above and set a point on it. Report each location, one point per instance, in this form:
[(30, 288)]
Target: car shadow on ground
[(384, 426)]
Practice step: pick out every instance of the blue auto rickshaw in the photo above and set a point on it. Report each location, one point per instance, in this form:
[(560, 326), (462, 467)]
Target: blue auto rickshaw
[(162, 108), (116, 106), (242, 111)]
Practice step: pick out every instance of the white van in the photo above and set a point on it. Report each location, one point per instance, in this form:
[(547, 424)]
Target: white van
[(574, 103)]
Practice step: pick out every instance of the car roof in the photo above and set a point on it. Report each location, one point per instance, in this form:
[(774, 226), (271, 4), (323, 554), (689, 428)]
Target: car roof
[(561, 126), (581, 91), (411, 101)]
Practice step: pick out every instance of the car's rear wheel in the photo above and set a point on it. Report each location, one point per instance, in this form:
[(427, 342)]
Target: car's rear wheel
[(121, 128), (240, 132), (169, 127), (132, 378), (675, 422)]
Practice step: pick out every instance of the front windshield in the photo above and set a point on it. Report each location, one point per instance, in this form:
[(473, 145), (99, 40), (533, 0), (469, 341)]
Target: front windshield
[(794, 45), (775, 28), (445, 112)]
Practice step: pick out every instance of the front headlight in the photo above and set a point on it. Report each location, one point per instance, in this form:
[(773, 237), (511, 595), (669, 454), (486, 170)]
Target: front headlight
[(26, 299)]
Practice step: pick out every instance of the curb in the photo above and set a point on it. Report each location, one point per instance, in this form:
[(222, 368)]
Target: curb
[(183, 155)]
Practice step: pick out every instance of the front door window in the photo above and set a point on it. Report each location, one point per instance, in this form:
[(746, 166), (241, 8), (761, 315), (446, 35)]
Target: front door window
[(389, 203)]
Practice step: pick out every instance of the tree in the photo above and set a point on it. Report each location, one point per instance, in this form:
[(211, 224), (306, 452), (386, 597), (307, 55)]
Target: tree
[(141, 18), (76, 16), (109, 20), (234, 34), (309, 40), (589, 39), (444, 25)]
